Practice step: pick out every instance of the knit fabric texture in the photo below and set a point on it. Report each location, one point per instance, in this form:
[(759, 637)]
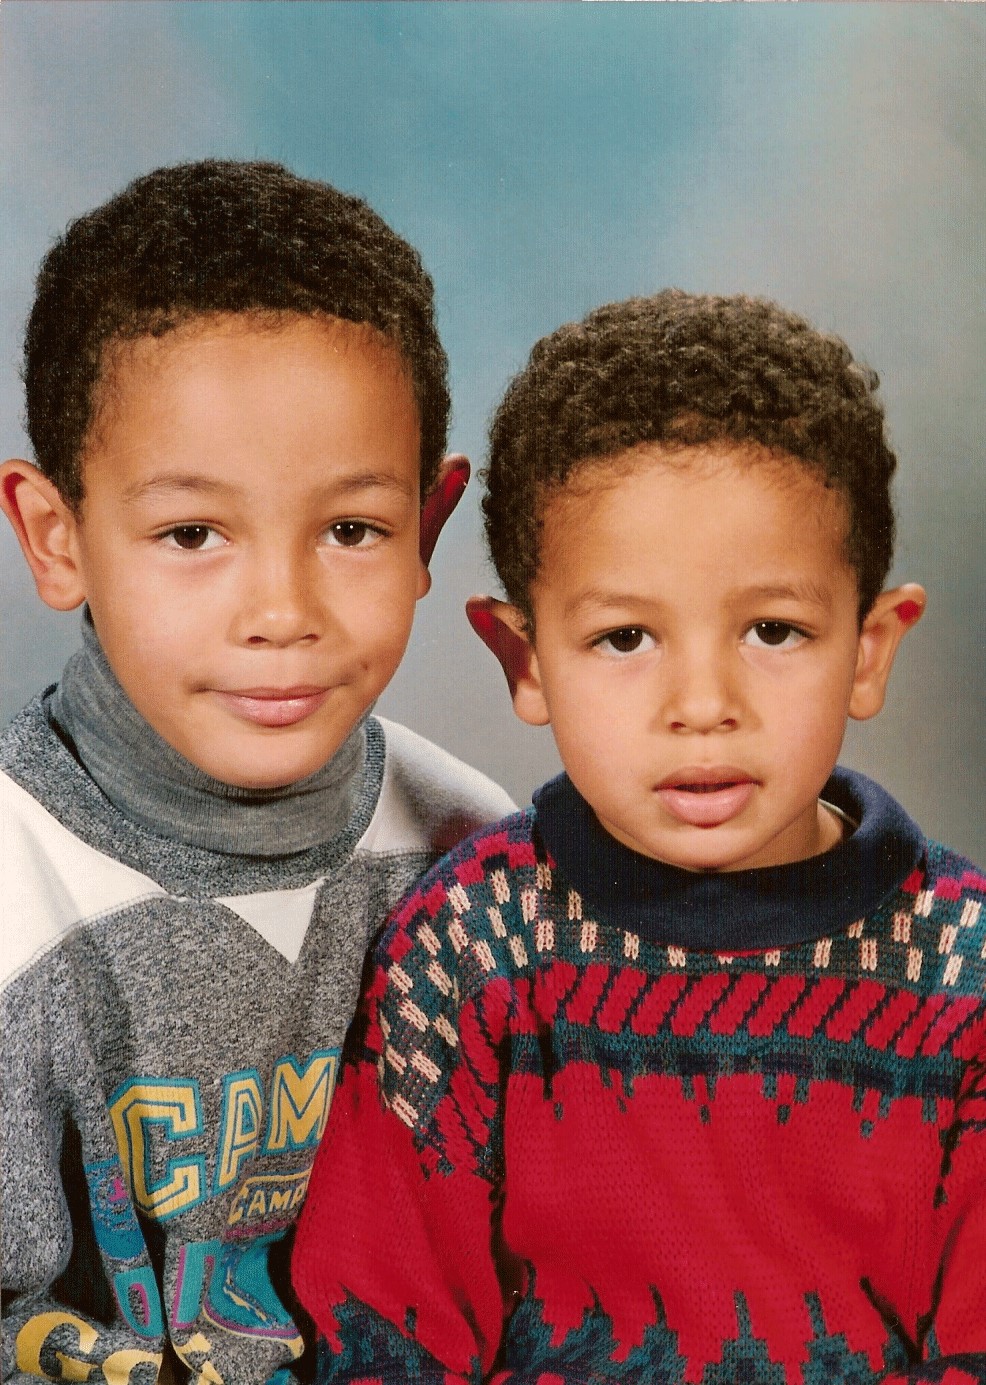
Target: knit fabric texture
[(574, 1145), (173, 1011)]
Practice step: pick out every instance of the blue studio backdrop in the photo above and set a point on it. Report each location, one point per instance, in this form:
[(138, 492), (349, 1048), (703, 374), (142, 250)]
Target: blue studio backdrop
[(546, 157)]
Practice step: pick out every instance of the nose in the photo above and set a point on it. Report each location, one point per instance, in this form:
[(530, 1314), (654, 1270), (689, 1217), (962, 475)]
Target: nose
[(702, 692), (278, 602)]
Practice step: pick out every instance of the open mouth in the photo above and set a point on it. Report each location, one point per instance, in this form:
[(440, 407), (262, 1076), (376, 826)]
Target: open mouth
[(707, 788), (706, 797)]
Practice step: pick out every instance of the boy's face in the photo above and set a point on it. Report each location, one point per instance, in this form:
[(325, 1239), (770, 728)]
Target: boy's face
[(248, 541), (697, 652)]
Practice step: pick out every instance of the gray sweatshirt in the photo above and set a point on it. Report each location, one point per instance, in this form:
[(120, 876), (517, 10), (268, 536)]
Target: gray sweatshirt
[(180, 963)]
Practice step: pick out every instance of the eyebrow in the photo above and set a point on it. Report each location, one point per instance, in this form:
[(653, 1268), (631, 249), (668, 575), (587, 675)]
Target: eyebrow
[(181, 483), (191, 483), (603, 599), (809, 592)]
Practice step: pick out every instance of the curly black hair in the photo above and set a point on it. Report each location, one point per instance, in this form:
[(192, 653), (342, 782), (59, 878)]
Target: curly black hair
[(217, 236), (685, 370)]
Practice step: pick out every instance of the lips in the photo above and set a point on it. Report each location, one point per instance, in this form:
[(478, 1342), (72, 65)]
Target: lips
[(273, 706), (706, 796)]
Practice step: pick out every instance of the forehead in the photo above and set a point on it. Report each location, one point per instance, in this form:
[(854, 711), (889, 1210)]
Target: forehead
[(284, 375), (722, 507), (702, 469), (145, 360)]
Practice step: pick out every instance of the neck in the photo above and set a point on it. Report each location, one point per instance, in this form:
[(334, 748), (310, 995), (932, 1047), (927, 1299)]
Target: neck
[(154, 786), (765, 907)]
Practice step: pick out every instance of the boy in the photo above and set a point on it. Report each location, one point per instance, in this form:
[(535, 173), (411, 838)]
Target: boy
[(237, 398), (679, 1076)]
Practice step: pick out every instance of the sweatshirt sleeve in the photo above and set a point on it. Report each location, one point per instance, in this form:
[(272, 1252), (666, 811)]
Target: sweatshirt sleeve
[(61, 1317), (37, 1236), (396, 1256)]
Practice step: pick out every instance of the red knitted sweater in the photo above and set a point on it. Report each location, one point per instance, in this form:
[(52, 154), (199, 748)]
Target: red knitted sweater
[(575, 1145)]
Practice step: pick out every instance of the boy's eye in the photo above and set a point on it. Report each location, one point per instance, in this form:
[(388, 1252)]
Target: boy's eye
[(629, 639), (193, 536), (774, 634), (353, 533)]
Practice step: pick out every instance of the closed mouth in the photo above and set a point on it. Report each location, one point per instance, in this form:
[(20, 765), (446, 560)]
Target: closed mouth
[(273, 694), (273, 707)]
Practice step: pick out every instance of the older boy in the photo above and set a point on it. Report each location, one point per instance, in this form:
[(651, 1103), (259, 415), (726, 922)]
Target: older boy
[(237, 398), (681, 1075)]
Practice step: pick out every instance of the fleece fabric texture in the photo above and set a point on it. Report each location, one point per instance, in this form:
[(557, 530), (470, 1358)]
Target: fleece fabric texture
[(173, 1010), (605, 1120)]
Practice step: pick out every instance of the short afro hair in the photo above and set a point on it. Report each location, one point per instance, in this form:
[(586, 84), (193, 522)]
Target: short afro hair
[(684, 370), (218, 236)]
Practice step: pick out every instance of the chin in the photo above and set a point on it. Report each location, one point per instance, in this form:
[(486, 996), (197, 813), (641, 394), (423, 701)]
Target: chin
[(266, 765), (256, 776), (281, 778), (703, 867), (706, 858)]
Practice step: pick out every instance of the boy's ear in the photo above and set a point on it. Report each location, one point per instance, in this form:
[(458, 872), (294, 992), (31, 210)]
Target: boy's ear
[(891, 616), (46, 531), (441, 500), (502, 629)]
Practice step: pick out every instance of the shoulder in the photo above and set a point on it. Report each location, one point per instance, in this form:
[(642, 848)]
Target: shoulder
[(472, 913), (34, 757), (428, 799), (948, 888), (943, 922), (446, 986), (51, 881), (27, 738), (500, 856)]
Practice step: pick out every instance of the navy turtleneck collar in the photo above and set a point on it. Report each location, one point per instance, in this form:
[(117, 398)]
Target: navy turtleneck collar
[(156, 787), (744, 910)]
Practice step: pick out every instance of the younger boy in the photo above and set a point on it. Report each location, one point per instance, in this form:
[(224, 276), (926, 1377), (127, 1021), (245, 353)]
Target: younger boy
[(237, 399), (679, 1076)]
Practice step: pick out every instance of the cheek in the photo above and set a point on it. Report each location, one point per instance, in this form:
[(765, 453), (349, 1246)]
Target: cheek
[(592, 727), (815, 699), (607, 701), (148, 672), (137, 602), (808, 731), (379, 623), (156, 646)]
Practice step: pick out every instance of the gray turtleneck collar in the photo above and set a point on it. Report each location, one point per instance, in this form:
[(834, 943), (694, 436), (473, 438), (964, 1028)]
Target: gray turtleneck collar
[(156, 787)]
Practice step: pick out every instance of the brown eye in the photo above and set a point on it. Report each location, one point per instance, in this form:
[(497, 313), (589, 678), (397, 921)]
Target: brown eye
[(354, 533), (774, 634), (628, 639), (190, 536)]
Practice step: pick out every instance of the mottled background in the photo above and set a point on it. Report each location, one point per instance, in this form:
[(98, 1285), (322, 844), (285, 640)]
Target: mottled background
[(546, 157)]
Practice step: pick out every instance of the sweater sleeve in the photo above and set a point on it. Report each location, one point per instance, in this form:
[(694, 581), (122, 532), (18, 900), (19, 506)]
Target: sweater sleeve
[(952, 1345), (396, 1254)]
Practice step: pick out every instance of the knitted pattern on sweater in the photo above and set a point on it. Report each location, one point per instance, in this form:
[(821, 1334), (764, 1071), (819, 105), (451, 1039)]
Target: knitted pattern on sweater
[(567, 1150)]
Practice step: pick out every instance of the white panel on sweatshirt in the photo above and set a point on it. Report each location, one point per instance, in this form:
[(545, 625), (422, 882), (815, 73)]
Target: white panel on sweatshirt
[(425, 790), (281, 917), (50, 881)]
